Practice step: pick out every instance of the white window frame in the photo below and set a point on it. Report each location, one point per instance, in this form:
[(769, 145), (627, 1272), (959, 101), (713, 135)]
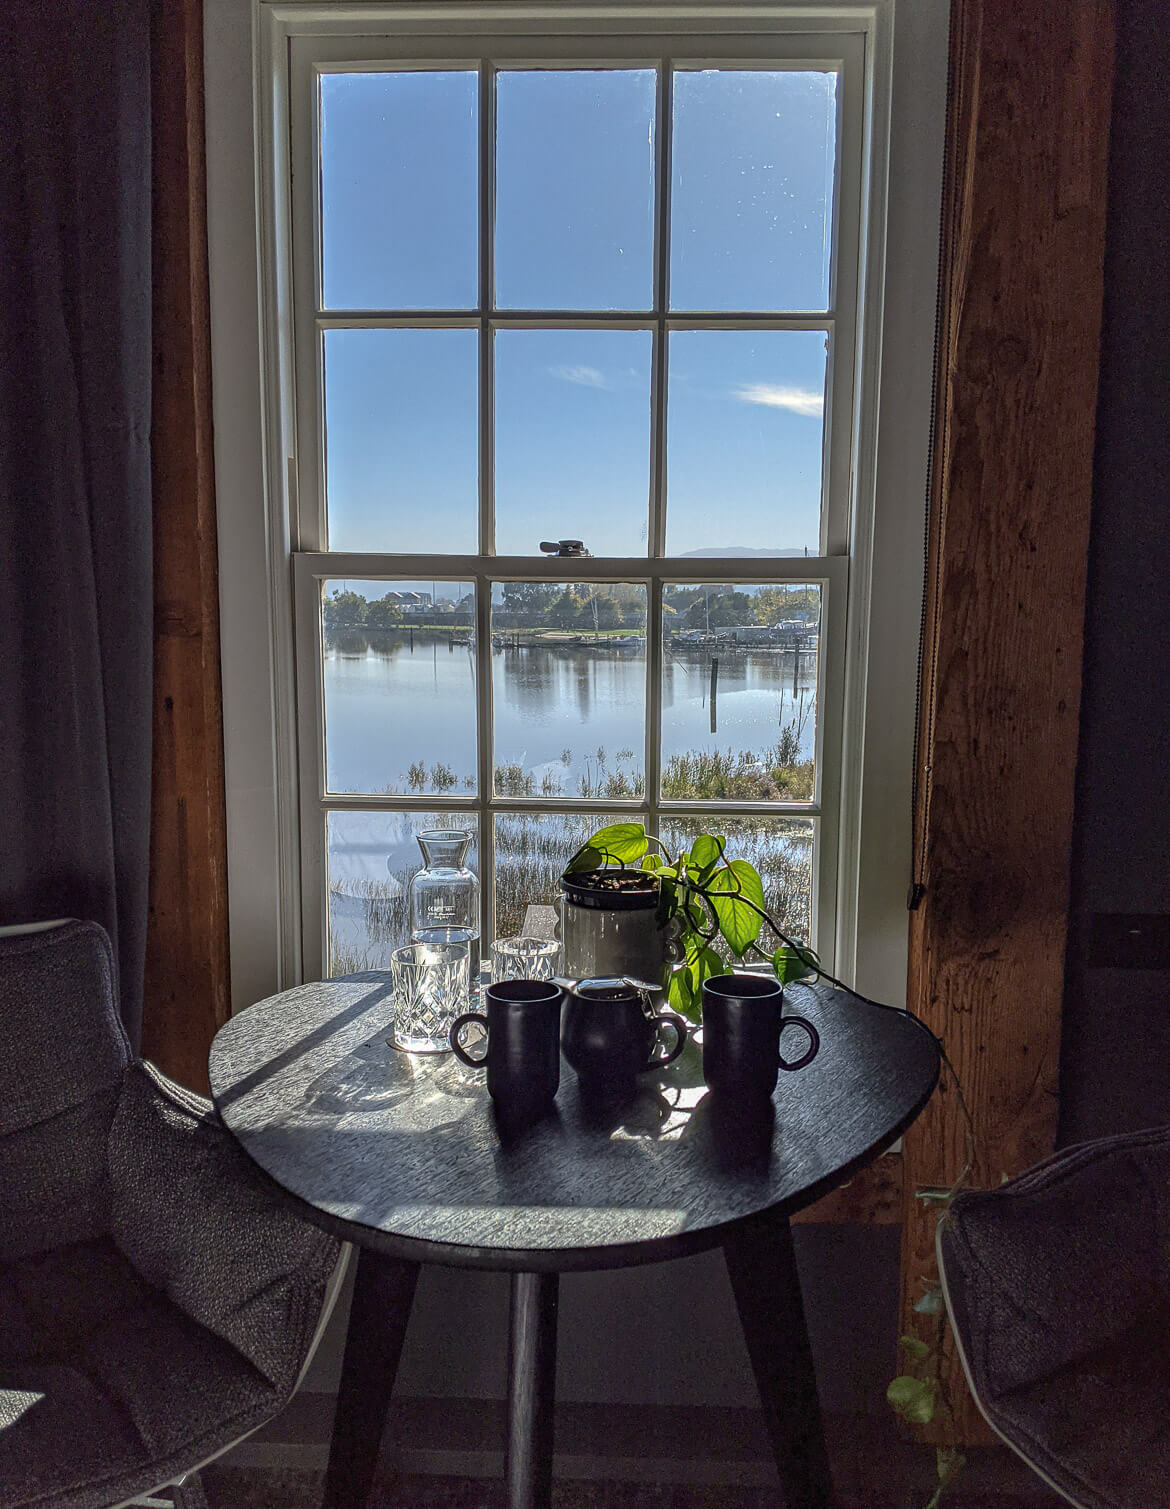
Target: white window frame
[(866, 858)]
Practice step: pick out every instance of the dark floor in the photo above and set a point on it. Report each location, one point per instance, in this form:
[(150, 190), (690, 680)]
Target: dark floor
[(259, 1488)]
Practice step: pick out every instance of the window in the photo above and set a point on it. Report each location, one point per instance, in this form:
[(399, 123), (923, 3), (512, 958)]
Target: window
[(616, 278)]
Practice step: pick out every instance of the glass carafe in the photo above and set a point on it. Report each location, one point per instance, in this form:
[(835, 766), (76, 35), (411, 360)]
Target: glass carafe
[(444, 895)]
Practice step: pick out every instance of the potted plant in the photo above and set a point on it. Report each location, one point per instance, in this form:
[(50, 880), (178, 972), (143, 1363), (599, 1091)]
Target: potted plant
[(696, 898)]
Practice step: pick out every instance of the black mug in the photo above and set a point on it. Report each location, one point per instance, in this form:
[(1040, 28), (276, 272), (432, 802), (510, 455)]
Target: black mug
[(742, 1022), (523, 1057)]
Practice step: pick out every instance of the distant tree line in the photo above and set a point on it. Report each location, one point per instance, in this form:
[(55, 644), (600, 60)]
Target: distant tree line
[(350, 610), (592, 607), (718, 606)]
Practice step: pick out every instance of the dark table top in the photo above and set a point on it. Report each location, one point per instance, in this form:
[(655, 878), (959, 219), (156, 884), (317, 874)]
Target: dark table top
[(402, 1152)]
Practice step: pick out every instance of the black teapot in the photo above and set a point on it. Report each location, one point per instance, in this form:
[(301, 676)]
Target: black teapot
[(610, 1032)]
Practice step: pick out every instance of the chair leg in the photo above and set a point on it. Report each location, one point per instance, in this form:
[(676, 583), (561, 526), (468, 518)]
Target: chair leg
[(188, 1492), (383, 1292), (762, 1268)]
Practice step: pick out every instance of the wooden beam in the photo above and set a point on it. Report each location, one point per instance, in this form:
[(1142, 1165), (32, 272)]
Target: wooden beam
[(186, 989), (1016, 383)]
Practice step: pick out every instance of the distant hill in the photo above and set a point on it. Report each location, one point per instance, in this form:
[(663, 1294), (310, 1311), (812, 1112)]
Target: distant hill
[(718, 552)]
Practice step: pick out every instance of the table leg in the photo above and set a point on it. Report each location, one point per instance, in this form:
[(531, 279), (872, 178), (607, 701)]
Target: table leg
[(762, 1268), (532, 1371), (382, 1294)]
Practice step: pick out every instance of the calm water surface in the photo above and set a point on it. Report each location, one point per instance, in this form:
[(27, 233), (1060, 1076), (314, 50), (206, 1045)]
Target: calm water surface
[(391, 706), (395, 705)]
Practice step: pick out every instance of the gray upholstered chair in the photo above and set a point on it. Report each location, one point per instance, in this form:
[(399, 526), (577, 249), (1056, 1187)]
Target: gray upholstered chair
[(1058, 1290), (157, 1302)]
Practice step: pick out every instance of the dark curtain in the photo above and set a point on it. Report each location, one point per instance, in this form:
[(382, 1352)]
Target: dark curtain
[(75, 502)]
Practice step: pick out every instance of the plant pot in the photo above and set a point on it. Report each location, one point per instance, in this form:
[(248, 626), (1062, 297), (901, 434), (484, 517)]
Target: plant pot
[(609, 927)]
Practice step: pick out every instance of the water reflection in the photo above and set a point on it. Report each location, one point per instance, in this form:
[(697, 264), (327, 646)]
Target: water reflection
[(393, 706)]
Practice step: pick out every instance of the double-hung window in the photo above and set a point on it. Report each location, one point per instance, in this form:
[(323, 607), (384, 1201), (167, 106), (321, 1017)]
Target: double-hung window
[(567, 430)]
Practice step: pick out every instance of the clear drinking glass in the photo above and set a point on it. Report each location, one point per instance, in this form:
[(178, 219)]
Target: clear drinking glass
[(525, 959), (431, 982)]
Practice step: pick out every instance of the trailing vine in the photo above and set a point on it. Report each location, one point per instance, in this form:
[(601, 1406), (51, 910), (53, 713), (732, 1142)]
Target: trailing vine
[(707, 896)]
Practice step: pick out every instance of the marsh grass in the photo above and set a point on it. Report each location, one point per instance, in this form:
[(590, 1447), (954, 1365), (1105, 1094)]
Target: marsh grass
[(724, 775), (531, 850)]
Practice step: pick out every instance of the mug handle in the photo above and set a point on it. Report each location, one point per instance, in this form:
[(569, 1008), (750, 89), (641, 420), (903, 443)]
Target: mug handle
[(814, 1042), (460, 1050), (669, 1019)]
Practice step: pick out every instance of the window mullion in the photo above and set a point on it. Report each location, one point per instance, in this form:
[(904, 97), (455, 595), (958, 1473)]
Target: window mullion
[(653, 762), (487, 216), (657, 542), (487, 495)]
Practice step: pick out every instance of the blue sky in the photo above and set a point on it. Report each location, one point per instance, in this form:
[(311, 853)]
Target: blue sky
[(751, 194)]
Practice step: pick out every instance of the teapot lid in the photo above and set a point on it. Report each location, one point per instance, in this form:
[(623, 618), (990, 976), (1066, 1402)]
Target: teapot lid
[(614, 988)]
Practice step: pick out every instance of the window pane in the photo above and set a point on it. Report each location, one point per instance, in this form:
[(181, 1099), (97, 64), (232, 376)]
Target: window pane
[(572, 439), (402, 446), (532, 849), (745, 421), (399, 679), (574, 190), (781, 849), (371, 857), (752, 190), (569, 689), (739, 692), (399, 195)]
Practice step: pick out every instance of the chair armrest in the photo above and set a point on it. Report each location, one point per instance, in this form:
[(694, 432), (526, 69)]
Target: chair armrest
[(195, 1218), (1058, 1263)]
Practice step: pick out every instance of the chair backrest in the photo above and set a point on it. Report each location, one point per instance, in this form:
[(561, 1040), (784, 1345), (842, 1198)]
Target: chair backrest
[(61, 1070)]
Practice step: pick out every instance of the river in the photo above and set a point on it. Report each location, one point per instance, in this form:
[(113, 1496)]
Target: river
[(396, 704), (568, 719)]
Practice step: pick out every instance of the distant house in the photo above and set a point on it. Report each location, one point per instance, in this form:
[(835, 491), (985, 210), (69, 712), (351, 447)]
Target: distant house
[(410, 602)]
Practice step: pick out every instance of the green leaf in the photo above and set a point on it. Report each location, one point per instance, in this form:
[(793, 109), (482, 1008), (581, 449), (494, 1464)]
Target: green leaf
[(624, 843), (949, 1461), (931, 1303), (707, 964), (652, 861), (697, 914), (738, 923), (706, 852), (749, 879), (914, 1347), (680, 994), (794, 963), (586, 858), (912, 1398)]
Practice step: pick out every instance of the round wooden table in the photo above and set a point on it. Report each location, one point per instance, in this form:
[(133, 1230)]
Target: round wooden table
[(401, 1154)]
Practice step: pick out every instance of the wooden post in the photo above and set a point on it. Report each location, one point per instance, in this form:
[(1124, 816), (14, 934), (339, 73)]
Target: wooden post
[(186, 981), (1016, 382), (714, 691)]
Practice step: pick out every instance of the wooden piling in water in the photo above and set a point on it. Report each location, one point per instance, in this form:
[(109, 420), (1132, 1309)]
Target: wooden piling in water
[(714, 690)]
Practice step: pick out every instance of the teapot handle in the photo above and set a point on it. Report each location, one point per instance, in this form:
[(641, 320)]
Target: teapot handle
[(669, 1019)]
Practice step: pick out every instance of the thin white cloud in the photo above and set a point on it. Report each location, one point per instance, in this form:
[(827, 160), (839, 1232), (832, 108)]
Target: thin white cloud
[(585, 377), (805, 401)]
